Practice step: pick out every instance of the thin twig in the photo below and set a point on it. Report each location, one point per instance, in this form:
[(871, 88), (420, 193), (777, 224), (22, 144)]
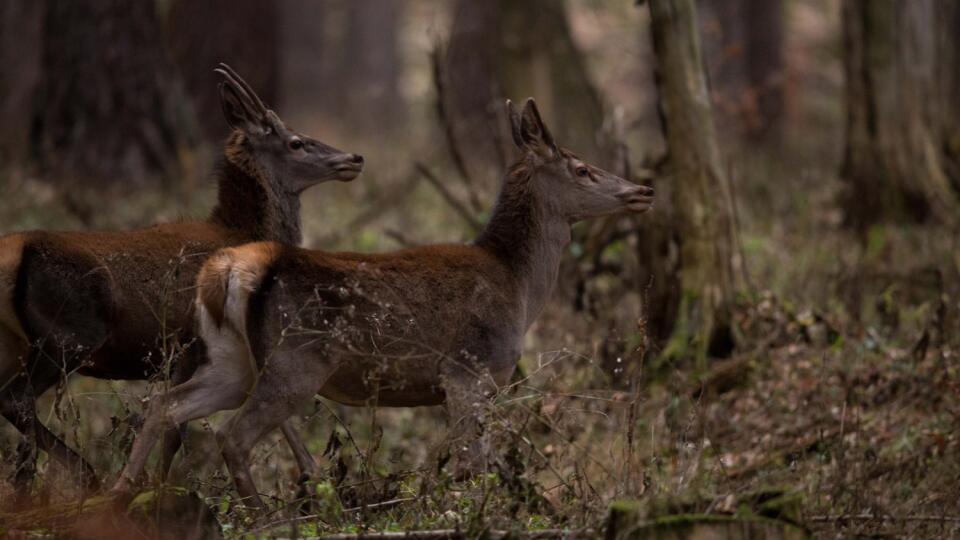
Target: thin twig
[(390, 199), (464, 212)]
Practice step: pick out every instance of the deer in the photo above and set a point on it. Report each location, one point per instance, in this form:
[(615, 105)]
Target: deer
[(425, 326), (90, 302)]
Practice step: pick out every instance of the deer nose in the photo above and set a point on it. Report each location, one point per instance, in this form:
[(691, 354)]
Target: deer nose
[(646, 190), (356, 158)]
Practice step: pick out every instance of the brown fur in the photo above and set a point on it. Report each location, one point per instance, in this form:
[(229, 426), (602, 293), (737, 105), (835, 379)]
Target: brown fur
[(422, 326), (243, 267), (103, 303), (11, 248)]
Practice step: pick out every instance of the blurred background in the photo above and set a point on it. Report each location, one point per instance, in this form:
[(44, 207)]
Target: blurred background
[(838, 128)]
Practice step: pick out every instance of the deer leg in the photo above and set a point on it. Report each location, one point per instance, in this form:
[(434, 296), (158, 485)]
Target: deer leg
[(214, 388), (282, 388), (173, 437), (19, 406), (466, 408), (305, 461)]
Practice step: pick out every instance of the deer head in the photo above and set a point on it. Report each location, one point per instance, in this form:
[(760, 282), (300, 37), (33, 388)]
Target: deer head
[(567, 186), (293, 161)]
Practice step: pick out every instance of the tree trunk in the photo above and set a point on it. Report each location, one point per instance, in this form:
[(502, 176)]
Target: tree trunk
[(517, 49), (702, 201), (764, 69), (897, 164), (744, 57), (540, 59), (370, 66), (241, 33), (471, 87), (20, 24), (109, 110), (949, 65)]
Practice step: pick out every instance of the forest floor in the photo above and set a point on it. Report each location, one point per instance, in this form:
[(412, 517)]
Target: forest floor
[(841, 396)]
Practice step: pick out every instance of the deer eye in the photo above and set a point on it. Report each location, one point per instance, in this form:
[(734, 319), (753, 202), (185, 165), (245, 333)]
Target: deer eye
[(295, 144), (583, 172)]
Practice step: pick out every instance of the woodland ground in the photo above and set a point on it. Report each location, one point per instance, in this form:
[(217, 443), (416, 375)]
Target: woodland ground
[(841, 392)]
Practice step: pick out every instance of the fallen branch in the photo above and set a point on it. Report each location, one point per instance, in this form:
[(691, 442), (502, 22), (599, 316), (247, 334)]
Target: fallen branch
[(870, 517), (456, 534)]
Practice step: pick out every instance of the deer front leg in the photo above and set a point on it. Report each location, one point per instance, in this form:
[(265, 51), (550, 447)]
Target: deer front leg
[(468, 406)]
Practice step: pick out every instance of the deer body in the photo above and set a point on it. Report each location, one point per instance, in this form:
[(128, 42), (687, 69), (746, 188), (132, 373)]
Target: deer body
[(102, 303), (423, 326)]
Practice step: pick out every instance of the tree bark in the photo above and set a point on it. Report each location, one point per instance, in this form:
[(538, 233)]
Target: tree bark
[(241, 33), (517, 49), (744, 57), (539, 58), (701, 195), (109, 108), (470, 73), (764, 69), (897, 162), (370, 65), (20, 25)]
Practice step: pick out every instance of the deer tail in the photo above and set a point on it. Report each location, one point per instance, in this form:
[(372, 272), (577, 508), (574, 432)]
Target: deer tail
[(227, 280)]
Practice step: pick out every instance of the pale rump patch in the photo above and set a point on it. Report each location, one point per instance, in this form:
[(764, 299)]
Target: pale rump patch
[(11, 250), (225, 284), (229, 277)]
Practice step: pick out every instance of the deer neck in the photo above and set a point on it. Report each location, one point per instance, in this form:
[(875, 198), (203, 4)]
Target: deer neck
[(250, 200), (524, 234)]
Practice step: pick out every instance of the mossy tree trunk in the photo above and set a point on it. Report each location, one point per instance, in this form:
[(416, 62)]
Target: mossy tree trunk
[(702, 202), (900, 62), (109, 108)]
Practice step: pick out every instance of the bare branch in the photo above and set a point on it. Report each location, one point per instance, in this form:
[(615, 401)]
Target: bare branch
[(464, 212), (446, 122)]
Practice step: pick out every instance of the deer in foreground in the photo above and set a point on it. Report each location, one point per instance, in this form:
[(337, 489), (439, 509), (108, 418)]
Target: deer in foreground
[(91, 302), (424, 326)]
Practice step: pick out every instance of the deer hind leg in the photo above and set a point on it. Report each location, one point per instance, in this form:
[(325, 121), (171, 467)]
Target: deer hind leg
[(288, 381), (218, 385)]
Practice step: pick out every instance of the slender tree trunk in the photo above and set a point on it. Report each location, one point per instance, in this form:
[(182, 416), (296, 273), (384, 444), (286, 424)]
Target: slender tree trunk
[(109, 108), (540, 58), (472, 88), (241, 33), (371, 64), (897, 164), (502, 48), (702, 201), (20, 25), (744, 57), (764, 69)]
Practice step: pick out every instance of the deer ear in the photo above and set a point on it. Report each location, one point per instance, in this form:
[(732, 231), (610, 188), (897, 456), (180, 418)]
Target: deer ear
[(515, 125), (238, 115), (534, 133)]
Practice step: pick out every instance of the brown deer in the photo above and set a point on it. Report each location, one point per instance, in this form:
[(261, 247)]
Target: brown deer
[(423, 326), (99, 303)]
